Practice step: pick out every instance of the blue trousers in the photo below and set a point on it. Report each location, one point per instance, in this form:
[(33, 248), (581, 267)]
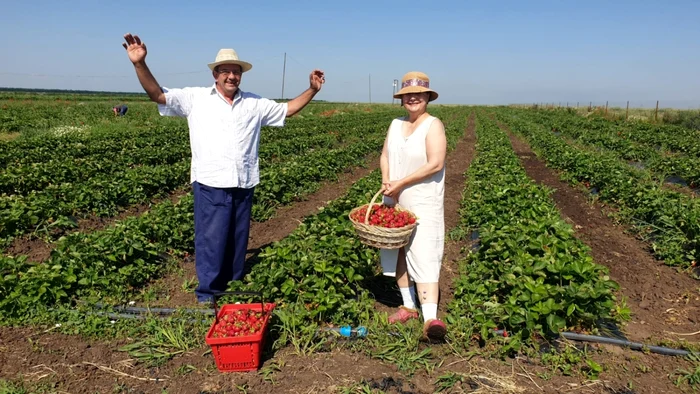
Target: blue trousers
[(221, 229)]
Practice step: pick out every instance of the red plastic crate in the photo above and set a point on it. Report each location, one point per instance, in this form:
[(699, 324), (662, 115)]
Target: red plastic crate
[(238, 353)]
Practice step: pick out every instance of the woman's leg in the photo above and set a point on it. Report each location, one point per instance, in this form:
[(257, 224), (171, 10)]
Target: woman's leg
[(433, 328), (406, 285), (428, 294), (408, 293)]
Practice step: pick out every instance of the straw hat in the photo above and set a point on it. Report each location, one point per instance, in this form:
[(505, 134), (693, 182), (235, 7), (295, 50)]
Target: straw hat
[(416, 82), (229, 56)]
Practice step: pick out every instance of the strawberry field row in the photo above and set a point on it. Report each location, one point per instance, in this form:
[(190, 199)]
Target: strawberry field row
[(167, 148), (22, 179), (101, 265), (103, 195), (302, 163), (321, 256), (132, 143), (29, 115), (125, 136), (528, 274), (669, 219), (667, 137), (322, 266), (282, 184), (624, 142), (340, 123), (53, 208)]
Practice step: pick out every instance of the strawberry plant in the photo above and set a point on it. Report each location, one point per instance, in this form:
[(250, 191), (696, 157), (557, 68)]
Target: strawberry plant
[(530, 275), (322, 266), (98, 174), (668, 220), (626, 143)]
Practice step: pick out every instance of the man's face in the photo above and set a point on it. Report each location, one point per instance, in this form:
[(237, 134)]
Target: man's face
[(228, 77)]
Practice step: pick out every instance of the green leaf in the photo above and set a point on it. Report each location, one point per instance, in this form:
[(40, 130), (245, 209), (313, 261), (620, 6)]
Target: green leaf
[(555, 323)]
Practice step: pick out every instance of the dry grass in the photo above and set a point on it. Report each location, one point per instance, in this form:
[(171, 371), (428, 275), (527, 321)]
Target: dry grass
[(8, 136)]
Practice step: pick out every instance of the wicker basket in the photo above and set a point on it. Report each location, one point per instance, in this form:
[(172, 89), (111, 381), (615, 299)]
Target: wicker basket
[(381, 237)]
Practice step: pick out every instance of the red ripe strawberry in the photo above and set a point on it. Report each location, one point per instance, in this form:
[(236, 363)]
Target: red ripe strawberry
[(385, 216)]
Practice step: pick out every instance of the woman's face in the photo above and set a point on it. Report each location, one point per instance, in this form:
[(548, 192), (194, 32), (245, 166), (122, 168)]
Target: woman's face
[(415, 102)]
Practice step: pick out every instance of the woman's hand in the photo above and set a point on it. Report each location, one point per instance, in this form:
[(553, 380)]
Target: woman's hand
[(392, 189), (385, 185)]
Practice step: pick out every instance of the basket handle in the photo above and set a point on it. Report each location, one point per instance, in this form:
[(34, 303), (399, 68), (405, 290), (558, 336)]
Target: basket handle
[(223, 293), (369, 208)]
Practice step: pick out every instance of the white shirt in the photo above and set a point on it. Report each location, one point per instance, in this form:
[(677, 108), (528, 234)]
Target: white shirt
[(224, 138)]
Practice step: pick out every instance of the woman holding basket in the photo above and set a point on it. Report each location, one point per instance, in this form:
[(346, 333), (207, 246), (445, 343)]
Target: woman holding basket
[(413, 174)]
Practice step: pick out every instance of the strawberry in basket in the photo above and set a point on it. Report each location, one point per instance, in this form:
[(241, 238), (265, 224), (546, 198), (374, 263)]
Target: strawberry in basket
[(384, 227), (384, 216)]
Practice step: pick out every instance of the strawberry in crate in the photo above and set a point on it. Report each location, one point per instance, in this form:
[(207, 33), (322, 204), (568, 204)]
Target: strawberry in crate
[(240, 322)]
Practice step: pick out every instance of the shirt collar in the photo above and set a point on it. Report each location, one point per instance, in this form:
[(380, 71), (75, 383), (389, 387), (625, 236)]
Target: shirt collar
[(237, 96)]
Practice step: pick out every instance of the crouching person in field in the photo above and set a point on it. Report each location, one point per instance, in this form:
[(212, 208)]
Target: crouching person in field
[(120, 110), (224, 124)]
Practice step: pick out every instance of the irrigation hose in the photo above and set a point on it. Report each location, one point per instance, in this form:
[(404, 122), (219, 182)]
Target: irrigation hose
[(613, 341), (134, 310), (116, 316), (143, 313), (130, 312)]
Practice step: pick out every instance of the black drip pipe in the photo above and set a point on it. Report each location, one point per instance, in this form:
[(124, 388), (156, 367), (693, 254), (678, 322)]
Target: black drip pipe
[(156, 311), (116, 316), (613, 341)]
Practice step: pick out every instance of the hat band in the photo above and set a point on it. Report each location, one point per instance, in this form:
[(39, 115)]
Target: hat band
[(415, 82)]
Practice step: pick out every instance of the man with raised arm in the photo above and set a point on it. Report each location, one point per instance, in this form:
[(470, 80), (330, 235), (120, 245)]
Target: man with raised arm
[(224, 124)]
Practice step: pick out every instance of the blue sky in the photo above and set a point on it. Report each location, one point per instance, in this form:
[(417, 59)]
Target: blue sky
[(475, 52)]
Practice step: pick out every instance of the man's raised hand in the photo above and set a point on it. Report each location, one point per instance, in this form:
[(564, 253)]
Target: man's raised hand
[(317, 79), (134, 48)]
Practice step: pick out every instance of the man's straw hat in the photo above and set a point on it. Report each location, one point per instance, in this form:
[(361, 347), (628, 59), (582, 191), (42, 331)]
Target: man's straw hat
[(416, 82), (229, 56)]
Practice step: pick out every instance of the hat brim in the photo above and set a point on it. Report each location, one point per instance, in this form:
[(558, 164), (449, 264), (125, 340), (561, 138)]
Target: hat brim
[(245, 66), (416, 89)]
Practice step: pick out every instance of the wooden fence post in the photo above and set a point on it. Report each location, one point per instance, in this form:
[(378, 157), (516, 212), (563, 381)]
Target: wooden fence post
[(656, 112)]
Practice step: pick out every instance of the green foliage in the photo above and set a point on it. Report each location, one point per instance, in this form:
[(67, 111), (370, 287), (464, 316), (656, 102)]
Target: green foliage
[(322, 265), (669, 220), (685, 119), (663, 151), (110, 262), (50, 179), (530, 275), (690, 376)]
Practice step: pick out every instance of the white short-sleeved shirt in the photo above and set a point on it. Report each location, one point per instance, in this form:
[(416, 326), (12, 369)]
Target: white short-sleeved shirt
[(224, 138)]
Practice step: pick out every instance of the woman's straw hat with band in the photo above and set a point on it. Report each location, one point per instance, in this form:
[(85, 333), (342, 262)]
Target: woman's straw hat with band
[(415, 82)]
